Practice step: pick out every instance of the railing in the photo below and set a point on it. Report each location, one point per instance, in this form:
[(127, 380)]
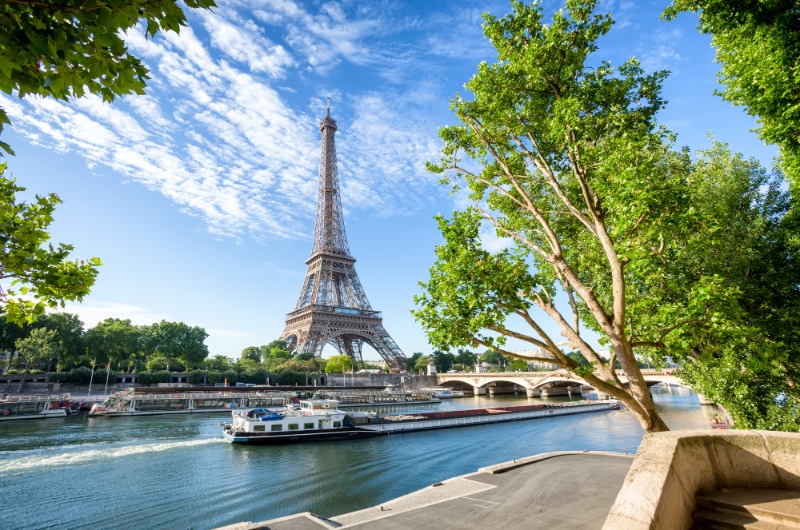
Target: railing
[(336, 309)]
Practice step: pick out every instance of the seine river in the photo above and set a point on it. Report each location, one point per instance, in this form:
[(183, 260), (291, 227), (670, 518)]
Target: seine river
[(176, 472)]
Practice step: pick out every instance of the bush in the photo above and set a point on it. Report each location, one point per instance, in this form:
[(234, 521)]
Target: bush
[(80, 376), (100, 377), (231, 375), (144, 379), (162, 376), (255, 377), (214, 377), (290, 377), (60, 377), (196, 377)]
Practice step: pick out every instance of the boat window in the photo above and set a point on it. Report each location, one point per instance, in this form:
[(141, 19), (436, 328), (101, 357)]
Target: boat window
[(259, 428), (308, 425), (276, 427), (294, 426), (337, 424)]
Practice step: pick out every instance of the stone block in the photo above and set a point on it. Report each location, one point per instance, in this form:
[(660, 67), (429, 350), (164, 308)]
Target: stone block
[(784, 453), (742, 460)]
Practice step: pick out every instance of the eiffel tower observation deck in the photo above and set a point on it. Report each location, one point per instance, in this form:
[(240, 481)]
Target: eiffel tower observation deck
[(332, 307)]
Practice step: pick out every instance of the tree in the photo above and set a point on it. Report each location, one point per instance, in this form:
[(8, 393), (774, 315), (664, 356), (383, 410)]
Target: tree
[(443, 361), (339, 363), (69, 334), (412, 361), (493, 357), (39, 347), (421, 364), (69, 48), (465, 358), (113, 341), (178, 341), (252, 352), (567, 163), (751, 363), (41, 276), (219, 363), (758, 48)]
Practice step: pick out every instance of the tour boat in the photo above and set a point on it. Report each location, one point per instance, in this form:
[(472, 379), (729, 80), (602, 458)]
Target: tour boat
[(313, 419)]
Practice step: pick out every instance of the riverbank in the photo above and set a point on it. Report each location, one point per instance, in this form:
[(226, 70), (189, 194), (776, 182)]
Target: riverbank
[(542, 491)]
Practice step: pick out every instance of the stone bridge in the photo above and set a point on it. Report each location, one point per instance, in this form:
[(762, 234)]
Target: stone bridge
[(536, 384)]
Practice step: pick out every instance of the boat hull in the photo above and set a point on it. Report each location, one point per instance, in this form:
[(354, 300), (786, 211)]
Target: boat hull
[(296, 437)]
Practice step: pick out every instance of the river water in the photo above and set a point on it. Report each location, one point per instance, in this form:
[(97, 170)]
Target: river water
[(176, 472)]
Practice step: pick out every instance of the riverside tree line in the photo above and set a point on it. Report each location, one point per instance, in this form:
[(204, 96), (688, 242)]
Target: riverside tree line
[(660, 251)]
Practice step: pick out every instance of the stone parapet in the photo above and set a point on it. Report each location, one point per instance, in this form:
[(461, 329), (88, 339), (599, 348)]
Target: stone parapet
[(672, 468)]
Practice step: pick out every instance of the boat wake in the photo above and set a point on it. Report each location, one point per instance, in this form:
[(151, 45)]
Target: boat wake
[(36, 460)]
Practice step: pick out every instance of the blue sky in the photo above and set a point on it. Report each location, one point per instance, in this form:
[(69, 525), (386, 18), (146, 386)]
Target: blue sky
[(200, 197)]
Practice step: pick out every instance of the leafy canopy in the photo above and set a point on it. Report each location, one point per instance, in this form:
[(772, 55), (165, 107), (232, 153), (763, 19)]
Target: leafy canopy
[(41, 276), (70, 48), (758, 48)]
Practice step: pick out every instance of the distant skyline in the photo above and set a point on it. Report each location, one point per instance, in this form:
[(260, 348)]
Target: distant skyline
[(200, 196)]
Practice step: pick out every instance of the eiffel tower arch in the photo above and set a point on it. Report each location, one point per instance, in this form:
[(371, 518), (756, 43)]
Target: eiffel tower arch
[(332, 307)]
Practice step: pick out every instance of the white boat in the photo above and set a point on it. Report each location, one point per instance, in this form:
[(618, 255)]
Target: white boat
[(313, 419), (36, 407), (441, 392)]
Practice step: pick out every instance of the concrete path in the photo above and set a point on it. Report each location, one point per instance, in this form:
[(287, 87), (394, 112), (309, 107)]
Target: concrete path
[(552, 491)]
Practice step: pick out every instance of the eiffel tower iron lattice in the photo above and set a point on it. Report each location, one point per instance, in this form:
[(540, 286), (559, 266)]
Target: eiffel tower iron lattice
[(332, 307)]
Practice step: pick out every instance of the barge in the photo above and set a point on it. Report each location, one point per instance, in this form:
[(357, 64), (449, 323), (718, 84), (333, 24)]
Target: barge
[(322, 419)]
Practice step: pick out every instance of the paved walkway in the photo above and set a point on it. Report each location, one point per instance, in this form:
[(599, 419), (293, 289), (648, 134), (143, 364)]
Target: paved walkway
[(552, 491)]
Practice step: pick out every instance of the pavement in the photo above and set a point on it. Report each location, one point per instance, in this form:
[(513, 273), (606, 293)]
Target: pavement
[(554, 491)]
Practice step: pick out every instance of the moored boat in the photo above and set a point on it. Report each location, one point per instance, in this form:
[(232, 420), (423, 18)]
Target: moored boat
[(443, 393), (313, 419), (36, 407)]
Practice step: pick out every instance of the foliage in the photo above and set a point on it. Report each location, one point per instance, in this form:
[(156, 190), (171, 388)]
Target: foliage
[(290, 377), (339, 363), (113, 340), (230, 376), (493, 357), (758, 48), (465, 357), (39, 348), (443, 361), (196, 377), (567, 163), (749, 361), (70, 48), (253, 353), (219, 363), (421, 363), (178, 341), (41, 275), (80, 376), (517, 365), (69, 334), (412, 361), (578, 358)]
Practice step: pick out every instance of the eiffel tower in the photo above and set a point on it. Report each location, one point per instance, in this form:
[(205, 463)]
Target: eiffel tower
[(333, 308)]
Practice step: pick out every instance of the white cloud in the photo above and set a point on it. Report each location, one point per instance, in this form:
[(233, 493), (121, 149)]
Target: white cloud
[(91, 312), (217, 135)]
